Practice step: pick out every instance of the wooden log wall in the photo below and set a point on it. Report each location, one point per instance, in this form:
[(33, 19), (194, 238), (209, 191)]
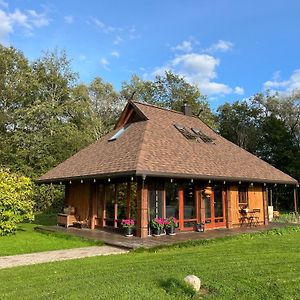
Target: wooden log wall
[(255, 201), (79, 196)]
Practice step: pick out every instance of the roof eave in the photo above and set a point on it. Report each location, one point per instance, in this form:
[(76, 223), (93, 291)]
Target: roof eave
[(213, 177)]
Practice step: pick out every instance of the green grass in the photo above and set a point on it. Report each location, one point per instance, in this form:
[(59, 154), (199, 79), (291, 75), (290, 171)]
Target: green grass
[(258, 266), (28, 240)]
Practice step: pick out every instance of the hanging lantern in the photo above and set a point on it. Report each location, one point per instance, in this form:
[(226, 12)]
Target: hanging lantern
[(207, 191)]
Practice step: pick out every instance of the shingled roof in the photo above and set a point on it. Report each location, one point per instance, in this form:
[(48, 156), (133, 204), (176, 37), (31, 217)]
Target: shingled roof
[(151, 145)]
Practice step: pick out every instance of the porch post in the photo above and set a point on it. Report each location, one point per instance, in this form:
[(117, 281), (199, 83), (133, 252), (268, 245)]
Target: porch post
[(295, 199), (93, 205), (128, 197), (228, 212), (142, 209), (265, 205), (181, 206)]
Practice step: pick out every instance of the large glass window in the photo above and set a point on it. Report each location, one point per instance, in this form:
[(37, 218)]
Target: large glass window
[(172, 200), (189, 201), (155, 199)]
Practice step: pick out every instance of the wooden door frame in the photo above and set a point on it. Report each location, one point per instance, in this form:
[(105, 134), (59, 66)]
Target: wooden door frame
[(214, 224)]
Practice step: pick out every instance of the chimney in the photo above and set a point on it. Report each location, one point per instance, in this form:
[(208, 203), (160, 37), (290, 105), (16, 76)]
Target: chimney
[(187, 110)]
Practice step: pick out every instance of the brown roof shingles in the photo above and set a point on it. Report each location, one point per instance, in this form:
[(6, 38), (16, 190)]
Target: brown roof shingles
[(156, 147)]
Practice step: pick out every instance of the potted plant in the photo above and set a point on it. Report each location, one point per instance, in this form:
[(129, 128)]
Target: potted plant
[(128, 225), (199, 227), (170, 224), (157, 226)]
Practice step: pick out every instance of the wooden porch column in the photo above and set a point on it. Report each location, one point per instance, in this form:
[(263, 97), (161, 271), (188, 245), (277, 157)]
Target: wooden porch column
[(228, 208), (181, 205), (93, 211), (67, 193), (128, 197), (202, 206), (265, 205), (198, 203), (295, 199), (142, 209)]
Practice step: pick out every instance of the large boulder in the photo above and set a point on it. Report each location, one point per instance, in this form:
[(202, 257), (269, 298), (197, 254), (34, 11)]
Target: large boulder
[(193, 281)]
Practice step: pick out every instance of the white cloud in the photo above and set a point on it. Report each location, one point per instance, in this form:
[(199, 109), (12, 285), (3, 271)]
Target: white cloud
[(118, 40), (115, 54), (291, 85), (26, 20), (185, 46), (82, 57), (200, 70), (104, 27), (221, 45), (69, 19), (104, 63), (239, 90)]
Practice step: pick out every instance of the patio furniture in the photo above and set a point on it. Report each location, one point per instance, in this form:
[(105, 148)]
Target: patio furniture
[(244, 220), (254, 217), (66, 220)]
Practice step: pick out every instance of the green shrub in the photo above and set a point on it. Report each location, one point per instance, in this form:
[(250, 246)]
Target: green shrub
[(16, 202)]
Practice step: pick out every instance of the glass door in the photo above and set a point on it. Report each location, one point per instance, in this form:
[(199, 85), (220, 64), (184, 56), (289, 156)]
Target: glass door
[(214, 205), (189, 206)]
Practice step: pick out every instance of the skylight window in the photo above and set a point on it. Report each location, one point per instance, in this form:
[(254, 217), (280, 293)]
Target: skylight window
[(205, 138), (118, 133), (185, 132)]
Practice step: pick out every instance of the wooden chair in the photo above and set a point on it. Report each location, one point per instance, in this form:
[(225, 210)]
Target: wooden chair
[(244, 220), (254, 219)]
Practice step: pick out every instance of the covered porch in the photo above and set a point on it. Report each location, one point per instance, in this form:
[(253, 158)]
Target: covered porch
[(115, 238), (102, 203)]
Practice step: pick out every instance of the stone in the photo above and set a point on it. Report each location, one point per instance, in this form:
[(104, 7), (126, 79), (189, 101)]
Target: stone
[(193, 281)]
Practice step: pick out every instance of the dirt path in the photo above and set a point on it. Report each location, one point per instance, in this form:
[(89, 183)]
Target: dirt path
[(57, 255)]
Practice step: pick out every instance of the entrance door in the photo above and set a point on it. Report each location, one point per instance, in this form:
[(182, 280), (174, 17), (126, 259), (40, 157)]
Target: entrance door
[(215, 208)]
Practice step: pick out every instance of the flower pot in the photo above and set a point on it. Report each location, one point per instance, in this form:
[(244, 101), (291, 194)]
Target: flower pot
[(171, 230), (156, 231), (128, 231), (199, 227)]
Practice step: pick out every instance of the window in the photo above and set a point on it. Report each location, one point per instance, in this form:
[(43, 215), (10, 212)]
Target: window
[(243, 194), (185, 132), (118, 133), (172, 200), (205, 138)]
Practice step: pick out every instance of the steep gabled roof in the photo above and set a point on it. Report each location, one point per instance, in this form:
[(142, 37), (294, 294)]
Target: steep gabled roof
[(153, 146)]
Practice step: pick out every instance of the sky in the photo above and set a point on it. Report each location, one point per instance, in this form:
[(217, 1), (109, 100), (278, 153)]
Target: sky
[(230, 49)]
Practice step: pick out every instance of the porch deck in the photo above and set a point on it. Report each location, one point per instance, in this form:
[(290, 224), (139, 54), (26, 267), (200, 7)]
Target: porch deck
[(113, 238)]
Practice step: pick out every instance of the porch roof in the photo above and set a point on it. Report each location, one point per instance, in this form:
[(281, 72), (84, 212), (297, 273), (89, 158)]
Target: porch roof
[(153, 146)]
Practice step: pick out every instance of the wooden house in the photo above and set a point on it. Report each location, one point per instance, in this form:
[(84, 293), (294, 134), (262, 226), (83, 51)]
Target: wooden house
[(162, 163)]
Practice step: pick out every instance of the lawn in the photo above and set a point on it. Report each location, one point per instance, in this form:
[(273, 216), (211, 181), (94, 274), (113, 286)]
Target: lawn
[(257, 266), (28, 240)]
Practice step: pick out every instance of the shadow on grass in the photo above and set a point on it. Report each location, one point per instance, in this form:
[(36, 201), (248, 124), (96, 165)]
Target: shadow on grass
[(69, 237), (46, 218), (179, 289)]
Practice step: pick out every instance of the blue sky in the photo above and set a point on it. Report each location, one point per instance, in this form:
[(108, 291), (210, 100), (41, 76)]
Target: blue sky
[(231, 49)]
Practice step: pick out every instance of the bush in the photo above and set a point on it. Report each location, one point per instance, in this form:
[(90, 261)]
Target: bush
[(16, 202)]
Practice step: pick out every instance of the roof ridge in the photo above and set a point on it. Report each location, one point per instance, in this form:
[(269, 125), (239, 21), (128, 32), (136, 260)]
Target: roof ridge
[(163, 108), (139, 150)]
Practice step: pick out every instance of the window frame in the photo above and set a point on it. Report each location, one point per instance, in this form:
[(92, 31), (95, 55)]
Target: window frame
[(243, 195)]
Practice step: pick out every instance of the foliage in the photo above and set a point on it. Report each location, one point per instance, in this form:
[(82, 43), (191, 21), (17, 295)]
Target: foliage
[(169, 91), (267, 125), (16, 202), (127, 223), (158, 223), (258, 266), (171, 222)]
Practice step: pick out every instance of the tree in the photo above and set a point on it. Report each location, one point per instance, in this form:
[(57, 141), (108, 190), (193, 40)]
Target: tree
[(16, 202), (239, 123), (106, 104), (169, 91)]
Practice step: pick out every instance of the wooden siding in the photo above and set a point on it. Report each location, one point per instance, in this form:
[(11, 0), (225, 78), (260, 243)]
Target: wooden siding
[(79, 196), (255, 201)]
